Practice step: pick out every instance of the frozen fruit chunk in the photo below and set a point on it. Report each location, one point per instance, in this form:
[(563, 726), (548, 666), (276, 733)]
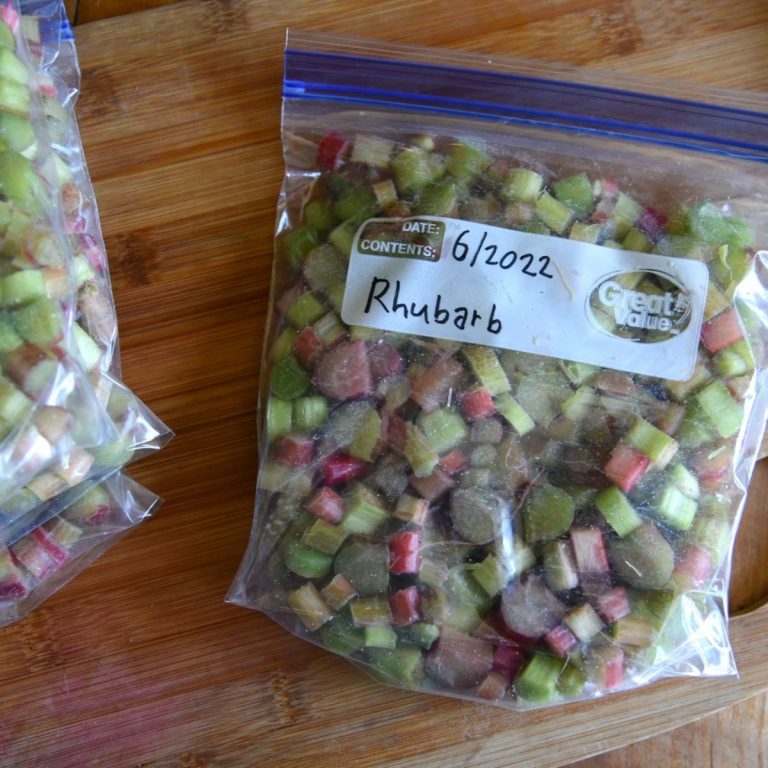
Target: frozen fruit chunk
[(344, 372)]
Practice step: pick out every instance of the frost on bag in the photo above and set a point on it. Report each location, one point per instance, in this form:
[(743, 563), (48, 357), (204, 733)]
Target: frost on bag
[(514, 378)]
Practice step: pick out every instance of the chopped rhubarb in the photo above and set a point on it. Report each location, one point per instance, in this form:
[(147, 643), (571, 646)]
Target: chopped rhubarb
[(508, 659), (405, 552), (344, 372), (561, 640), (589, 550), (385, 360), (295, 450), (405, 606), (721, 331), (432, 486), (331, 151), (454, 462), (613, 605), (327, 505), (494, 687), (693, 569), (308, 346), (431, 388), (477, 404), (626, 466), (339, 469), (54, 548), (411, 509), (651, 223)]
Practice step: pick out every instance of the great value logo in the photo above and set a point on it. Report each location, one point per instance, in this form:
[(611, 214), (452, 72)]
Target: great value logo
[(647, 307)]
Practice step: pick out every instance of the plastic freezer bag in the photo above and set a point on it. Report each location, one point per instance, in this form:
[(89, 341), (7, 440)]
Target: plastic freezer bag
[(135, 430), (47, 558), (514, 377)]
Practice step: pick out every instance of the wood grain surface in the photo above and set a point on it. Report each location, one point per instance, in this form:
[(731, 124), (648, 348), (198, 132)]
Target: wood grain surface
[(139, 661)]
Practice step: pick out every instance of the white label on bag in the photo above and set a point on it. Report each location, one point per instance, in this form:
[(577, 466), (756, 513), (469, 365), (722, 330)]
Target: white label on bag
[(452, 279)]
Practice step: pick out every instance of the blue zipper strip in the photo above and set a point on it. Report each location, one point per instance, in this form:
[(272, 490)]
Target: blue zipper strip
[(525, 100)]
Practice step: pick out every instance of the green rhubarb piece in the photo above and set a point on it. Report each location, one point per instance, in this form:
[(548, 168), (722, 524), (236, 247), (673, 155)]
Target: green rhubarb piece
[(656, 605), (356, 204), (385, 191), (14, 404), (9, 339), (335, 296), (343, 236), (276, 477), (635, 240), (514, 413), (627, 208), (418, 452), (485, 365), (735, 360), (696, 428), (338, 592), (325, 267), (614, 506), (522, 184), (658, 446), (7, 40), (39, 321), (412, 171), (685, 481), (492, 575), (466, 160), (88, 351), (14, 98), (716, 302), (633, 631), (403, 665), (708, 225), (283, 344), (578, 373), (559, 567), (581, 404), (380, 637), (423, 634), (586, 233), (371, 612), (542, 395), (572, 680), (443, 429), (111, 455), (721, 409), (12, 67), (437, 199), (22, 287), (535, 227), (548, 512), (675, 508), (643, 558), (554, 214), (364, 511), (365, 565), (477, 514), (365, 443), (538, 680), (307, 603), (298, 243), (288, 378), (319, 215), (306, 561), (305, 310), (342, 637), (372, 150), (714, 535), (324, 537), (576, 193), (279, 416), (308, 412)]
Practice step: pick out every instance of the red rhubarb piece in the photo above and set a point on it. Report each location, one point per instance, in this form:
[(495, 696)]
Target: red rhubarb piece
[(711, 465), (626, 466), (561, 640), (651, 223), (339, 468), (477, 404), (308, 346), (454, 462), (327, 505), (615, 383), (431, 388), (589, 550), (613, 605), (694, 568), (432, 486), (294, 451), (394, 431), (508, 659), (344, 372), (331, 151), (458, 660), (405, 606), (721, 331), (44, 540), (405, 552), (385, 360), (530, 610), (494, 687)]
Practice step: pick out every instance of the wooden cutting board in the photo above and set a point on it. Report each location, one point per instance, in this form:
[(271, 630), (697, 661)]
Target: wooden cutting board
[(140, 661)]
